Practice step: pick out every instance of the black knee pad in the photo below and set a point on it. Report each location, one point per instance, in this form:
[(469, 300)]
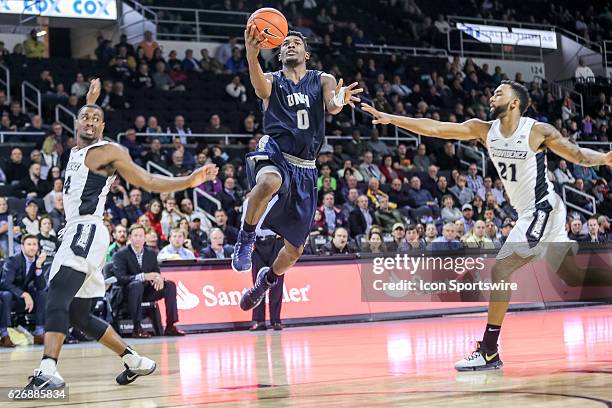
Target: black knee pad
[(62, 288), (82, 319)]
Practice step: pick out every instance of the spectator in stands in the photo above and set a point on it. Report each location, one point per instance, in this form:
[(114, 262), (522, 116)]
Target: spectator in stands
[(319, 227), (422, 160), (356, 147), (175, 250), (412, 241), (137, 272), (23, 288), (332, 215), (468, 218), (362, 218), (34, 48), (189, 63), (180, 129), (142, 79), (370, 170), (579, 199), (105, 95), (148, 45), (474, 180), (57, 213), (197, 235), (478, 238), (224, 52), (47, 241), (49, 156), (583, 72), (215, 126), (235, 64), (487, 187), (236, 90), (375, 244), (191, 213), (123, 42), (385, 216), (604, 223), (209, 64), (448, 159), (17, 117), (593, 235), (163, 81), (421, 200), (375, 194), (153, 126), (460, 190), (45, 82), (157, 57), (49, 199), (430, 182), (450, 213), (217, 249), (431, 233), (118, 101), (120, 237), (177, 168), (586, 174), (18, 59), (170, 216), (575, 232), (230, 232), (598, 191), (33, 185), (15, 170), (104, 52), (155, 154), (134, 148), (154, 214), (5, 123), (339, 244), (122, 65), (231, 199), (377, 146), (350, 202), (136, 207), (447, 241)]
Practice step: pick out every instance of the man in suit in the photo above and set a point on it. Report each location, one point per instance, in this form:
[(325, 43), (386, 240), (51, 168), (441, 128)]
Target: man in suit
[(231, 199), (137, 271), (230, 232), (23, 288), (216, 248), (361, 218), (594, 236)]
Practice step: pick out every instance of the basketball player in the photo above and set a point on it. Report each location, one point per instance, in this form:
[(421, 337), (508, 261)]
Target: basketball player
[(517, 146), (75, 275), (282, 170)]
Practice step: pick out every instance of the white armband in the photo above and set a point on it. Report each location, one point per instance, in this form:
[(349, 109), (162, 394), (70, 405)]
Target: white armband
[(339, 99)]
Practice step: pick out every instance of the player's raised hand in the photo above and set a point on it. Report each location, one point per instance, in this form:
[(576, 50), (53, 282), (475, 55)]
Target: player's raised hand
[(378, 117), (252, 40), (94, 91), (204, 173), (349, 92)]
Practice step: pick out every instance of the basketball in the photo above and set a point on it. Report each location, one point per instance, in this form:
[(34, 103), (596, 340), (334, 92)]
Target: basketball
[(271, 24)]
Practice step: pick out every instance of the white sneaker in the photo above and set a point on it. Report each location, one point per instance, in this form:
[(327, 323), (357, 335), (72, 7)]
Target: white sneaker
[(480, 359), (137, 367)]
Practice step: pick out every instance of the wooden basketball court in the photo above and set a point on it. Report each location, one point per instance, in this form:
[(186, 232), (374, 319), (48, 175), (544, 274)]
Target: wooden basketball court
[(560, 358)]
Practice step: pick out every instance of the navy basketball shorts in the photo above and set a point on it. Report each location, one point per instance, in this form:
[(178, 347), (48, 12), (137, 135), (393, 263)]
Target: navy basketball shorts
[(291, 210)]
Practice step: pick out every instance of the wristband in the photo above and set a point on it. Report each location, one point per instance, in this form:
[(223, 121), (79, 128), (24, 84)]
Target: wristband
[(339, 98)]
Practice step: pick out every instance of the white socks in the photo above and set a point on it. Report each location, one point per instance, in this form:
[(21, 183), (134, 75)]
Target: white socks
[(48, 366)]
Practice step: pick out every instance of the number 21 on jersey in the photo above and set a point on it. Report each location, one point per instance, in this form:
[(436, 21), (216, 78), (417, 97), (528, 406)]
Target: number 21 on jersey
[(503, 171)]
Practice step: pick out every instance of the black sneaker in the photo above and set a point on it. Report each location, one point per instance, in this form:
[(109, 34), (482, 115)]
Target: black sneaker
[(42, 381), (145, 366), (253, 297), (481, 359)]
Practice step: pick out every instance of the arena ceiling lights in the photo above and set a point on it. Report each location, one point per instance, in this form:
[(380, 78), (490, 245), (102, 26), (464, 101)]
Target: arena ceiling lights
[(518, 36), (82, 9)]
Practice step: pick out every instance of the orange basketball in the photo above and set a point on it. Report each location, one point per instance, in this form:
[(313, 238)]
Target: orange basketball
[(271, 24)]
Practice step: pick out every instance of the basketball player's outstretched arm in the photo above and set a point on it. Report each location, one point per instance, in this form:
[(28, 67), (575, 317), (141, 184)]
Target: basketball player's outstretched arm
[(94, 91), (336, 96), (468, 130), (136, 175), (553, 139), (260, 81)]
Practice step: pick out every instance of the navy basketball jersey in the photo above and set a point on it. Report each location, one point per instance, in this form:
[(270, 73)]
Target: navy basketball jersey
[(295, 115)]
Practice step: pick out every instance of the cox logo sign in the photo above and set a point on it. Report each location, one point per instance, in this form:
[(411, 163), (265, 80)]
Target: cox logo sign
[(102, 9), (90, 7)]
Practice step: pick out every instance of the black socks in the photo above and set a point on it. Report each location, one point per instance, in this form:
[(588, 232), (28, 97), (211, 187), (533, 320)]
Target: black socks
[(271, 277), (491, 335)]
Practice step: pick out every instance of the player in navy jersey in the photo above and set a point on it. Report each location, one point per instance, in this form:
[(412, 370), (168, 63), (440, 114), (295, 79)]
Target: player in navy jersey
[(282, 171)]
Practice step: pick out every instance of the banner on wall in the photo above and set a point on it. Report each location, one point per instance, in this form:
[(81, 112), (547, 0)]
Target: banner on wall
[(510, 36), (84, 9), (399, 284)]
